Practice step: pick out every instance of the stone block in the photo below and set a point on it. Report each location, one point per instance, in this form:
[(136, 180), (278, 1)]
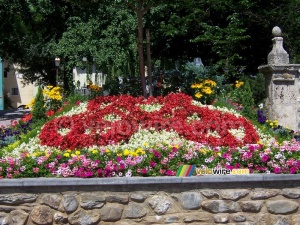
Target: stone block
[(191, 200), (84, 217), (282, 206), (221, 206), (233, 194), (251, 206)]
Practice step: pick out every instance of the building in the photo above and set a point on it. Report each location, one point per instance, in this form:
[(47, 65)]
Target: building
[(19, 93)]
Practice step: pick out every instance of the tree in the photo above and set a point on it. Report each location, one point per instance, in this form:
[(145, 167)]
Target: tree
[(105, 36), (29, 26), (140, 7)]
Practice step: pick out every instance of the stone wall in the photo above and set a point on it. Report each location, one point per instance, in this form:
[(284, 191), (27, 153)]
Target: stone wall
[(228, 199)]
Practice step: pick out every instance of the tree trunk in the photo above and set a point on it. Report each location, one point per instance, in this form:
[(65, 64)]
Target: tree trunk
[(140, 46), (149, 62)]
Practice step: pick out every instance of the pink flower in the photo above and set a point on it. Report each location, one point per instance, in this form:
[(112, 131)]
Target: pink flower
[(265, 158), (293, 170), (277, 170), (144, 171), (35, 169), (152, 164), (170, 173), (164, 161), (162, 171), (22, 168)]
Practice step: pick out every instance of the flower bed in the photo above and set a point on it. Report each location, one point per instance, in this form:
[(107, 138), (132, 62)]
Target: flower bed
[(113, 119), (125, 136)]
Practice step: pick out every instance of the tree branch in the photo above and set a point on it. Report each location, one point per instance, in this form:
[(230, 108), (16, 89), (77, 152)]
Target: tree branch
[(131, 6)]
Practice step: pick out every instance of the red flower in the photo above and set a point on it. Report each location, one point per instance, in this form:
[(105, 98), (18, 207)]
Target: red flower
[(50, 113), (93, 127)]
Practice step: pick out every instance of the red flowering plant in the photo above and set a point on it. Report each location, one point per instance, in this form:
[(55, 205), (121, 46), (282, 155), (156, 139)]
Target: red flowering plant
[(111, 119)]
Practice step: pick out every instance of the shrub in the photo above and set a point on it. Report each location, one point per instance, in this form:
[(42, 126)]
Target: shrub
[(246, 99), (39, 110)]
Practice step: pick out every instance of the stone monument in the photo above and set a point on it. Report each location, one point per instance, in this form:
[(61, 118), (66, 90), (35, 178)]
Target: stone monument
[(282, 85)]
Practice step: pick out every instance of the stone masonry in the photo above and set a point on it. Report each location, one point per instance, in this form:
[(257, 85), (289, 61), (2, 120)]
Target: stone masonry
[(282, 85), (184, 203)]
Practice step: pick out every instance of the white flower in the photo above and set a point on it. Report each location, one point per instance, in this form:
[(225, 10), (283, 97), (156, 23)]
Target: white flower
[(150, 107)]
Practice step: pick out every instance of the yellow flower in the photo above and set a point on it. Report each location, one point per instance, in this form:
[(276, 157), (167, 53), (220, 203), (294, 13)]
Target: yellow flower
[(139, 151), (198, 95), (77, 152), (30, 104), (94, 151), (210, 83), (207, 90), (69, 150), (126, 152), (67, 154), (238, 84)]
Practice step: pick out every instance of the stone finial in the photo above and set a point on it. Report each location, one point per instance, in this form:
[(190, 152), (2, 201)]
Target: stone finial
[(276, 31), (278, 55)]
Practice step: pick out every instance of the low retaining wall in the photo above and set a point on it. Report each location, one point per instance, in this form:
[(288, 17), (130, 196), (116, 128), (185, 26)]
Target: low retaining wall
[(242, 199)]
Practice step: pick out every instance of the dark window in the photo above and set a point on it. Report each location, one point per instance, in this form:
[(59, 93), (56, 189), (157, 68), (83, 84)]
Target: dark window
[(14, 91), (5, 74)]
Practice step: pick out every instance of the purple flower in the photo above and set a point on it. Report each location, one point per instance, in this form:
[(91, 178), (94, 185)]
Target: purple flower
[(261, 117)]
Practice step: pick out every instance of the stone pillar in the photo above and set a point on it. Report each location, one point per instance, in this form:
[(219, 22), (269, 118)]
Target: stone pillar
[(282, 85)]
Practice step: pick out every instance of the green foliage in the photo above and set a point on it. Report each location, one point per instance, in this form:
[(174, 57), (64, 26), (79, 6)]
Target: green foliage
[(75, 97), (258, 88), (190, 75), (7, 102), (247, 101), (7, 141), (39, 110)]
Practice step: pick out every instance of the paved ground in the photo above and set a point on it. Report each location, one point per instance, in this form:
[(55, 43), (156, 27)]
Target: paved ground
[(7, 115)]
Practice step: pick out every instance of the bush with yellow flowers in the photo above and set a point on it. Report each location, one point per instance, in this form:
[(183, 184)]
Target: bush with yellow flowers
[(95, 90), (53, 97), (204, 91), (235, 91)]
